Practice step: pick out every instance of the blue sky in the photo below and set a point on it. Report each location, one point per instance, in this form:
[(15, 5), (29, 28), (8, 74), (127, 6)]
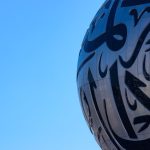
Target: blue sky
[(39, 45)]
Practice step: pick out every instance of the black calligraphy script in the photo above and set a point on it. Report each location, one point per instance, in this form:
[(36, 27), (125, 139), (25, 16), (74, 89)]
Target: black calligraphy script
[(133, 83)]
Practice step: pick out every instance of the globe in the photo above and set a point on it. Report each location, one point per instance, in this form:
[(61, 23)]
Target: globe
[(113, 75)]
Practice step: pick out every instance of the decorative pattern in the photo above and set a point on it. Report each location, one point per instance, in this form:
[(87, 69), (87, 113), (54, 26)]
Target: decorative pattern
[(118, 113)]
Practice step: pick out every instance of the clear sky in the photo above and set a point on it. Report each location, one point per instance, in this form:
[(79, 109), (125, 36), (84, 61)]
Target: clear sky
[(39, 45)]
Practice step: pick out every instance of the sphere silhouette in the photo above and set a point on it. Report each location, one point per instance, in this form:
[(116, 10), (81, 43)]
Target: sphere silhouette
[(113, 75)]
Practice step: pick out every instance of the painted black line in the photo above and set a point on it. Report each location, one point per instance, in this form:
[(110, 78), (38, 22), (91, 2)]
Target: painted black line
[(84, 62), (92, 87), (119, 101), (130, 62), (146, 74), (134, 85), (138, 17), (128, 144), (127, 3), (131, 106), (102, 73)]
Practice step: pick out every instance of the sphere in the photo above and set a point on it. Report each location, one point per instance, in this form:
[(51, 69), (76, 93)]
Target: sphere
[(113, 75)]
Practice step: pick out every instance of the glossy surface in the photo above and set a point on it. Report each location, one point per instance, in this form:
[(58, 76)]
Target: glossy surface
[(113, 75)]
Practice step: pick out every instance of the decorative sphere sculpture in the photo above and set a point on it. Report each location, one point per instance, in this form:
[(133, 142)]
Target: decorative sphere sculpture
[(113, 75)]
